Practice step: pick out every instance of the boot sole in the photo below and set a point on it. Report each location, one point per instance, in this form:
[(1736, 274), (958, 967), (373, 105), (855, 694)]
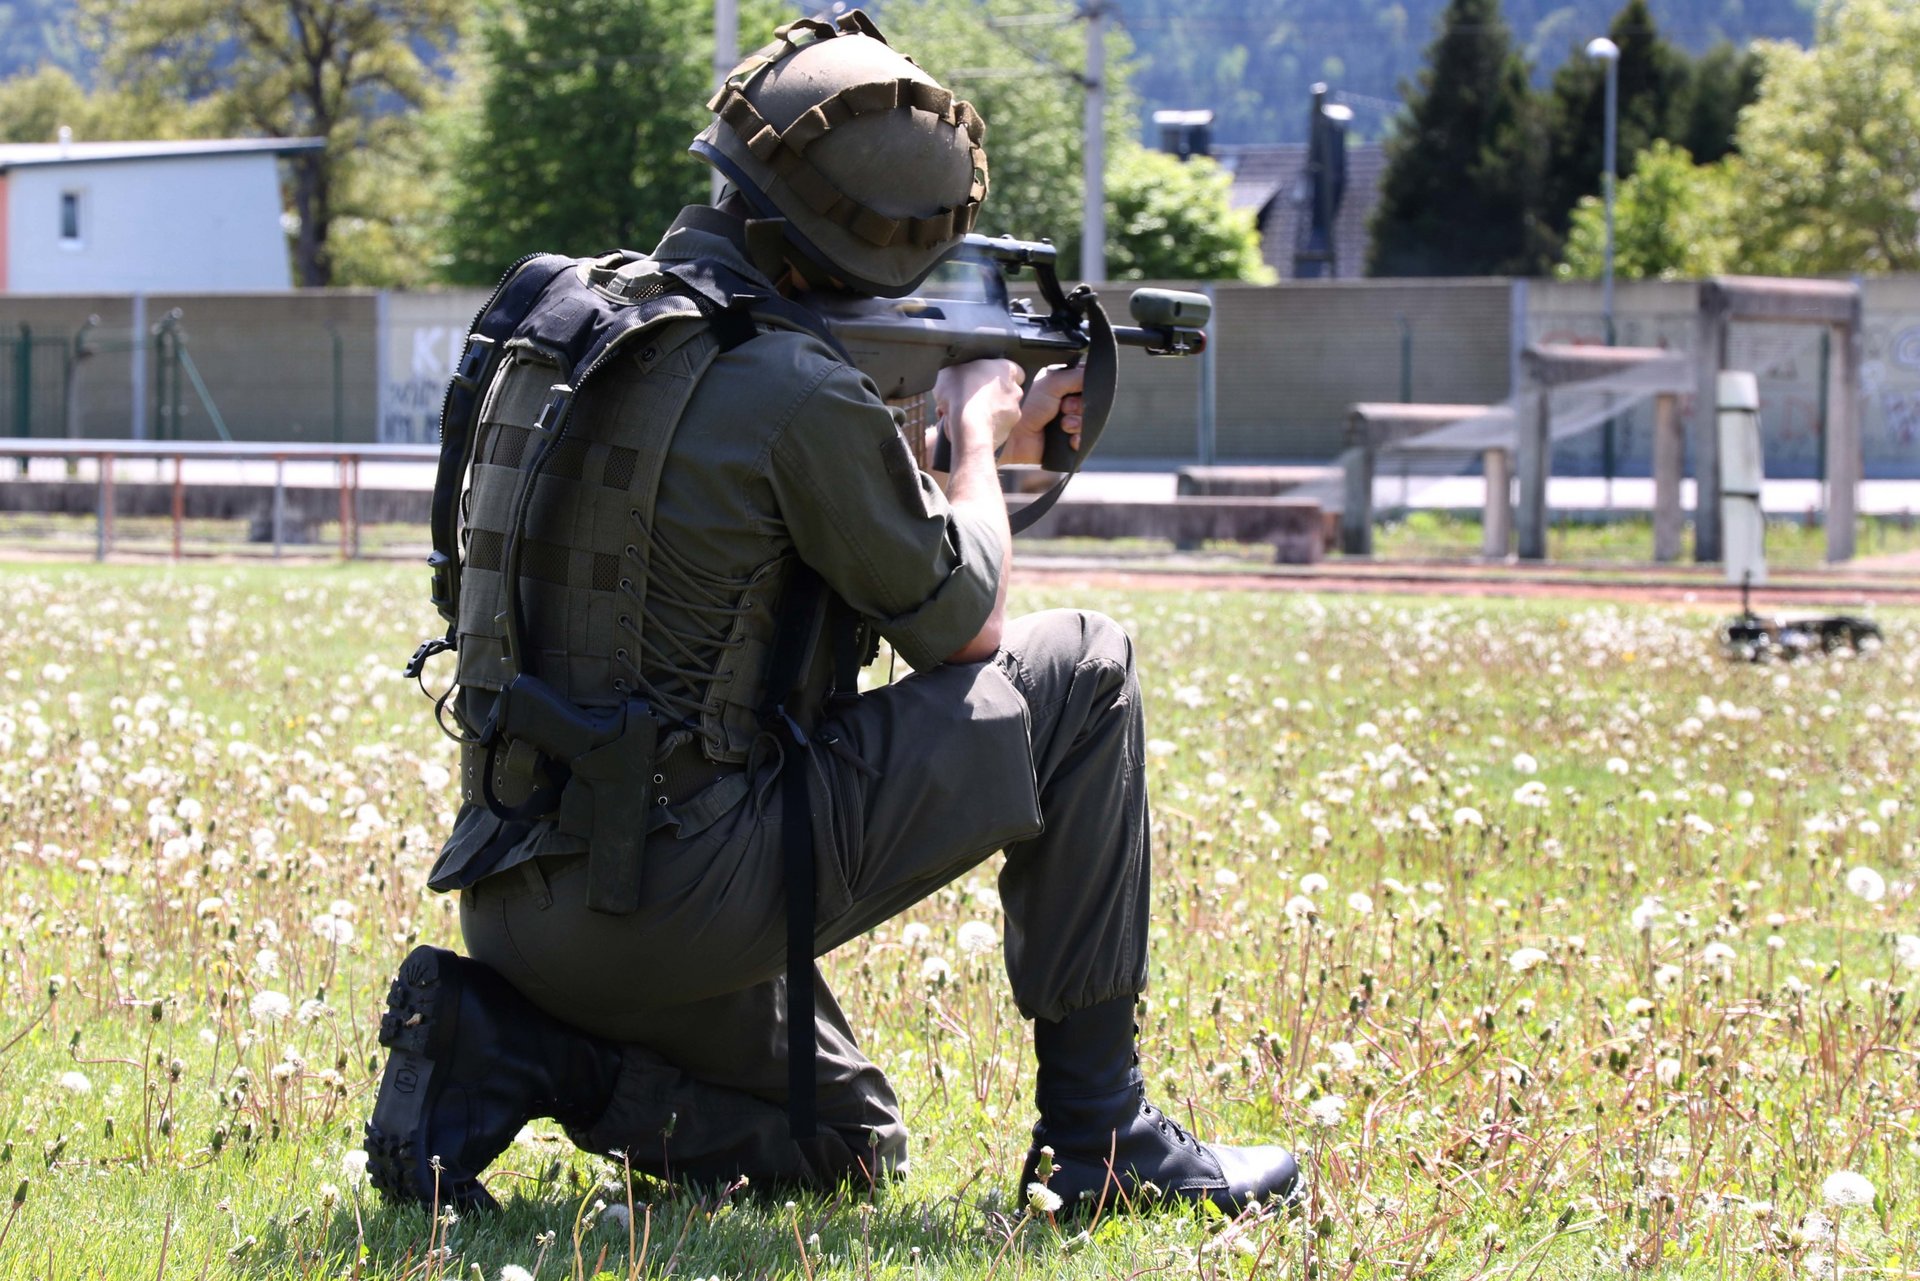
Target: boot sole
[(417, 1030)]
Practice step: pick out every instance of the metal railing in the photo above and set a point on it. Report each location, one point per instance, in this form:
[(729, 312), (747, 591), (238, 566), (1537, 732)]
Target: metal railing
[(346, 461)]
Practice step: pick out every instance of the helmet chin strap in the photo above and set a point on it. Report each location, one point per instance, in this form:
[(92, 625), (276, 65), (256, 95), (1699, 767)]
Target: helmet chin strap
[(766, 245), (774, 255)]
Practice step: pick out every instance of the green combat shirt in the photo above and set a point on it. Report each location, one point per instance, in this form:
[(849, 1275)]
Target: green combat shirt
[(785, 447), (783, 450)]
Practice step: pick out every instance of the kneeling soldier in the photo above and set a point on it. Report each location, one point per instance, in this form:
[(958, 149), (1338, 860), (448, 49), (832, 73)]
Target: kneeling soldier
[(686, 517)]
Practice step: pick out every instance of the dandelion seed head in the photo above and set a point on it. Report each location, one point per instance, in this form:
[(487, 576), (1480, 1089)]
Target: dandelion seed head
[(1867, 884), (1845, 1190), (976, 937), (270, 1006), (1328, 1110), (1042, 1199), (1526, 958)]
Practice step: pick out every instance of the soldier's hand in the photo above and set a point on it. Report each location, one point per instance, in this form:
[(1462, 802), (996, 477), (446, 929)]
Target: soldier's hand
[(1055, 393), (979, 398)]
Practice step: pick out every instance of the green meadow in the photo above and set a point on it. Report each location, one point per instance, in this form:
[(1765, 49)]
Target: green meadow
[(1557, 944)]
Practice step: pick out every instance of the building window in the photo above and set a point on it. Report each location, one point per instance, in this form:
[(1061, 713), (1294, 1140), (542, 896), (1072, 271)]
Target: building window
[(70, 217)]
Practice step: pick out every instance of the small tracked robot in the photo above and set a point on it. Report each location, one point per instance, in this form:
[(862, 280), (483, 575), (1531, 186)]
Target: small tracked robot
[(1753, 639)]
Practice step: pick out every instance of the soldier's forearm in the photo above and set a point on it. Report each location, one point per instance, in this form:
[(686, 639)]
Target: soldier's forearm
[(974, 486)]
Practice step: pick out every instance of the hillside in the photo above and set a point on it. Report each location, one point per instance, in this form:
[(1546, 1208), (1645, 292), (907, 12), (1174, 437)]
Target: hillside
[(1252, 61), (34, 32)]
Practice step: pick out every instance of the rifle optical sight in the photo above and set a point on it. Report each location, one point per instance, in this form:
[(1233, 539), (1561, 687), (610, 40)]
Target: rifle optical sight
[(1170, 309)]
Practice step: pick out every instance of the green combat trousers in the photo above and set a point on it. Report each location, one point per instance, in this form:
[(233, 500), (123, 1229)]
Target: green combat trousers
[(1038, 751)]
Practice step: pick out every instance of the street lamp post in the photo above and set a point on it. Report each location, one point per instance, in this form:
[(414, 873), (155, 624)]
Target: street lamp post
[(1604, 50), (726, 52), (1093, 148)]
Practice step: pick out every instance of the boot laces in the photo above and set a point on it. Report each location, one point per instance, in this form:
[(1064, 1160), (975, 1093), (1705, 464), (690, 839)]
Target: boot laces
[(1167, 1125)]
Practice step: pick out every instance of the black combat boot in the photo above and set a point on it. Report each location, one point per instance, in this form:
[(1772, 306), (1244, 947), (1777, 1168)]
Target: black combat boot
[(1108, 1142), (469, 1062)]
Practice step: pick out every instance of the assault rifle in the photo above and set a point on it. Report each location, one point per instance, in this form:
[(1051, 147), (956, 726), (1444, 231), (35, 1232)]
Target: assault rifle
[(967, 313)]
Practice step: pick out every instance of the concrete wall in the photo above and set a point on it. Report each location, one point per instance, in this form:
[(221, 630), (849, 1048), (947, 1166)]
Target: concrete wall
[(1785, 358), (1288, 360), (267, 361), (424, 335), (1293, 357), (204, 222)]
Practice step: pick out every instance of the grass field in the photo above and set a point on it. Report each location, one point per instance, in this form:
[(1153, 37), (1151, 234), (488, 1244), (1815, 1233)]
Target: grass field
[(1427, 535), (1558, 945)]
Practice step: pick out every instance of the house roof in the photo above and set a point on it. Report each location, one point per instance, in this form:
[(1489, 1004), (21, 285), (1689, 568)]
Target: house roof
[(20, 155), (1265, 179)]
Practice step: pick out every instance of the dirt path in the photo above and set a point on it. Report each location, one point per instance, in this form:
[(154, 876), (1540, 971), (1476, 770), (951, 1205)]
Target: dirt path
[(1489, 581)]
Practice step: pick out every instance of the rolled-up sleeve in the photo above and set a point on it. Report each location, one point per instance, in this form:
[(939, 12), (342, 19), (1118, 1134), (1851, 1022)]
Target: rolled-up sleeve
[(876, 527)]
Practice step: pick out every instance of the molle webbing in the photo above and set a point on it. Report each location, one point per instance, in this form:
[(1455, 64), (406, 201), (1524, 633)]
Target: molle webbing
[(577, 554), (785, 150), (517, 292)]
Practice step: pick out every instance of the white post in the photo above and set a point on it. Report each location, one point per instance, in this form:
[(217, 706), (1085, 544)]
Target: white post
[(1496, 519), (1843, 441), (1669, 463), (726, 53), (1093, 221), (1742, 473)]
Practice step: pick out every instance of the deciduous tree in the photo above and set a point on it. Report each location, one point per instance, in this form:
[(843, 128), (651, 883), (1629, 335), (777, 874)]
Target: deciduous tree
[(1830, 153), (1673, 219), (353, 72), (1170, 220)]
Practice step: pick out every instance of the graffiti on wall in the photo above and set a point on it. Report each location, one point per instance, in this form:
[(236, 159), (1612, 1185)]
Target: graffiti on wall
[(422, 341)]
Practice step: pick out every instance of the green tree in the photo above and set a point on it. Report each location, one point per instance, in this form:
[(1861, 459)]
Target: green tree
[(1019, 63), (1653, 81), (1830, 153), (34, 105), (1462, 187), (1725, 81), (575, 136), (1169, 220), (1672, 220), (354, 72), (1022, 73)]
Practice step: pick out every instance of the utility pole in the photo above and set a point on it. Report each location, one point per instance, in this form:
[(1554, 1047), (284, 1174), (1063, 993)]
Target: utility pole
[(726, 53), (1093, 222)]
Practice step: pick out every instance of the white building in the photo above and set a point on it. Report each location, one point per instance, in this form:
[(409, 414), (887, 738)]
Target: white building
[(135, 217)]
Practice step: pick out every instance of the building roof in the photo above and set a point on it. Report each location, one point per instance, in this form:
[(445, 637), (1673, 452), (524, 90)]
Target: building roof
[(1266, 178), (20, 155)]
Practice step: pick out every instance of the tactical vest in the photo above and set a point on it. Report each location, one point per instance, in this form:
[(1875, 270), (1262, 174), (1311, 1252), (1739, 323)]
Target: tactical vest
[(588, 567), (540, 514)]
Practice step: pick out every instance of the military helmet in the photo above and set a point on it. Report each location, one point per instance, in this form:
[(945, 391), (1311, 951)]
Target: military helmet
[(876, 169)]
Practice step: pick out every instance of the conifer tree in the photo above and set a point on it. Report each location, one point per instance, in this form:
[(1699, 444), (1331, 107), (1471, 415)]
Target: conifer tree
[(1461, 190), (1653, 88)]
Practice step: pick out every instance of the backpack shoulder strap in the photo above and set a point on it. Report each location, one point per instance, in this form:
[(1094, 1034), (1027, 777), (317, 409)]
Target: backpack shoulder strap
[(516, 295)]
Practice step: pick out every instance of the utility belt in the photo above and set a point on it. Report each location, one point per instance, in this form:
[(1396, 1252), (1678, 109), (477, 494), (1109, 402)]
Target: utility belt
[(679, 778), (600, 775)]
